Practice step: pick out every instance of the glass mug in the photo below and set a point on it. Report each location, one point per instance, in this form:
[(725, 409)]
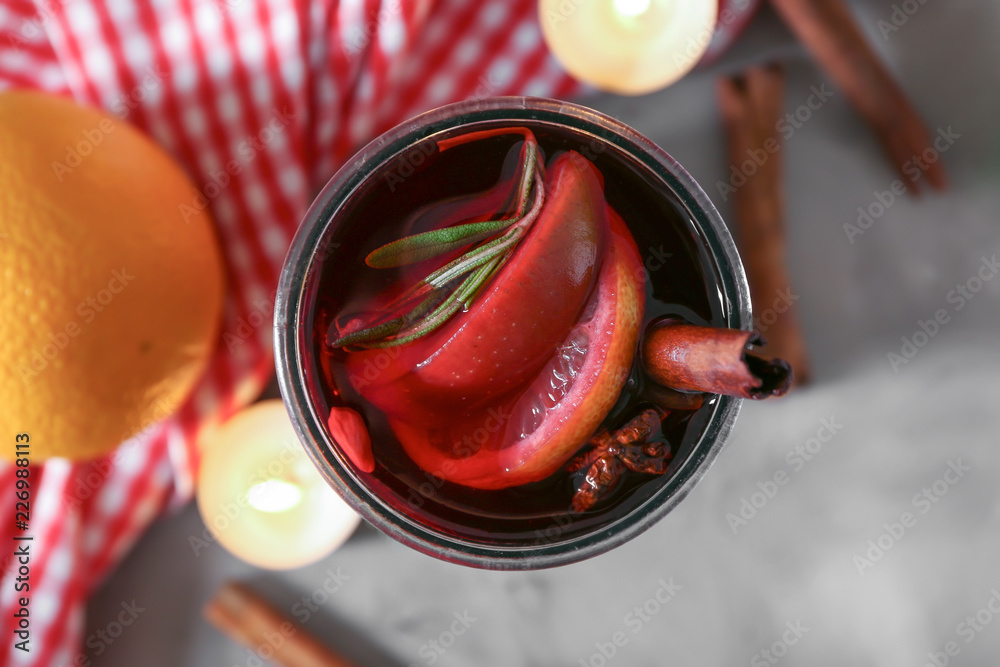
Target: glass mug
[(690, 267)]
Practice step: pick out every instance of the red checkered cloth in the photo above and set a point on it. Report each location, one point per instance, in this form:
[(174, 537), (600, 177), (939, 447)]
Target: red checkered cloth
[(285, 89)]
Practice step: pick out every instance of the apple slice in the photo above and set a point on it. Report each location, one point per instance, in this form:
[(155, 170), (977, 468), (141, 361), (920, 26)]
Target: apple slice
[(512, 328), (528, 436)]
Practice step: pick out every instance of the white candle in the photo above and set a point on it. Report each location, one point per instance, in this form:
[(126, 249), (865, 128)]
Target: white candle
[(628, 46), (261, 496)]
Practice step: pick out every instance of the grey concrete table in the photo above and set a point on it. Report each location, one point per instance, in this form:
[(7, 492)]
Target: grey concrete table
[(824, 572)]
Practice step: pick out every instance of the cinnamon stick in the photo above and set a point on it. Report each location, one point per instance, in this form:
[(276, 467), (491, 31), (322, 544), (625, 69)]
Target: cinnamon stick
[(717, 361), (752, 105), (829, 31), (250, 620)]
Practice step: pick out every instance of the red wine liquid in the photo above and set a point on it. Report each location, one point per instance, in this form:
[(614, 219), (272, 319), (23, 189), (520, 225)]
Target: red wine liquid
[(402, 199)]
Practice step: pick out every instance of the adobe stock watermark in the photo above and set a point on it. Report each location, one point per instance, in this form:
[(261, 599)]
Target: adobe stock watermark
[(923, 502), (432, 649), (88, 310), (124, 104), (101, 639), (470, 443), (957, 298), (696, 44), (361, 36), (33, 27), (261, 314), (772, 655), (699, 42), (767, 489), (223, 6), (553, 532), (161, 410), (373, 367), (757, 157), (309, 604), (782, 303), (326, 250), (561, 13), (635, 620), (247, 151), (91, 138), (271, 640), (967, 630), (914, 169), (407, 163), (486, 86), (899, 16), (655, 259), (99, 470)]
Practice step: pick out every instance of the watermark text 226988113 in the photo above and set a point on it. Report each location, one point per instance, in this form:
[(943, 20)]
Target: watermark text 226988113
[(22, 546)]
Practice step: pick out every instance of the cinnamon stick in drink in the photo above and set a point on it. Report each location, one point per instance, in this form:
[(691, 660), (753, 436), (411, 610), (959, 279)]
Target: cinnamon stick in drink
[(829, 31), (250, 620), (692, 358)]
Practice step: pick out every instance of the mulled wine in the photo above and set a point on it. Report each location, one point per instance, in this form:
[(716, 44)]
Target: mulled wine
[(418, 192), (479, 393)]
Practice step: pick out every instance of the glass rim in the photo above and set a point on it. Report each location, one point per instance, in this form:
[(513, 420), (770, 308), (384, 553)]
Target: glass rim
[(291, 340)]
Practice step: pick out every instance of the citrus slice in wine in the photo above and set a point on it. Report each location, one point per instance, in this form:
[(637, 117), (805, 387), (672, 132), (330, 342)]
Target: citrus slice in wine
[(526, 437)]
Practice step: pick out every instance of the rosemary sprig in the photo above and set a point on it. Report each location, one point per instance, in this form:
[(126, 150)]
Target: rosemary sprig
[(452, 304), (453, 287), (416, 248)]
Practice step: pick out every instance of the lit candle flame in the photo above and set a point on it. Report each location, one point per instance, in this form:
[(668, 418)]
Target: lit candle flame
[(274, 495), (261, 497), (632, 8), (629, 47)]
